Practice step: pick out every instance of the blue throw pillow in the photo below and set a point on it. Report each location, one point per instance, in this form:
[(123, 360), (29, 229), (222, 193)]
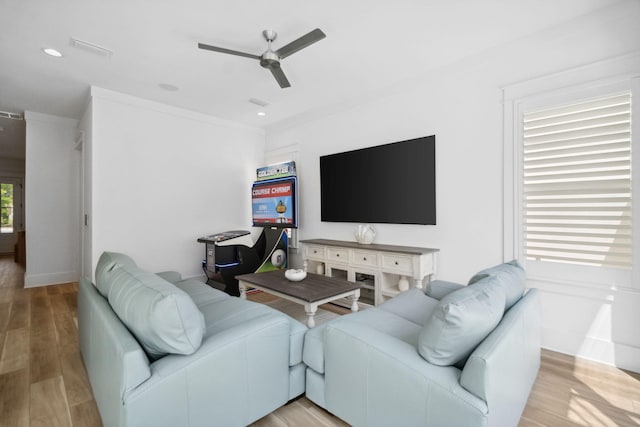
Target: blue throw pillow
[(510, 275), (461, 321), (107, 262), (162, 317)]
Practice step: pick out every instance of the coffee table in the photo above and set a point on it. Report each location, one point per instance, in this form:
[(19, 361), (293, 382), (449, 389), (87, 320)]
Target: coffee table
[(312, 291)]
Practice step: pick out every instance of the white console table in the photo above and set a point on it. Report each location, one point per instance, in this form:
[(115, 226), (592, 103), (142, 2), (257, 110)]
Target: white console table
[(382, 270)]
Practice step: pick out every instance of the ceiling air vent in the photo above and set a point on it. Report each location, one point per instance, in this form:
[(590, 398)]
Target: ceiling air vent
[(91, 47), (9, 115), (258, 102)]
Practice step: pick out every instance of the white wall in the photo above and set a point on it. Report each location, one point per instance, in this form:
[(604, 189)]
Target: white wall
[(11, 167), (461, 105), (161, 177), (51, 200)]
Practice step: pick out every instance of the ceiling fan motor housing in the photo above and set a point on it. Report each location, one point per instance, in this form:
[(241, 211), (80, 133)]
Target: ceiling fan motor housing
[(269, 59)]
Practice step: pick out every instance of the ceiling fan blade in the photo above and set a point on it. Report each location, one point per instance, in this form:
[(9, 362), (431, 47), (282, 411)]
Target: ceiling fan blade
[(229, 51), (280, 77), (300, 43)]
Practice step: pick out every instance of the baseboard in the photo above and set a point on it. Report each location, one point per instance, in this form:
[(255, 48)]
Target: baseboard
[(36, 280), (622, 356)]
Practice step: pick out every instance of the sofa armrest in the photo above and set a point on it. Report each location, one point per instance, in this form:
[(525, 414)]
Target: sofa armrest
[(440, 288), (170, 276), (503, 368), (372, 378), (235, 377), (114, 361)]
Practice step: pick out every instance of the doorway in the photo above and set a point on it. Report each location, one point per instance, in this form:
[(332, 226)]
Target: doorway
[(11, 212)]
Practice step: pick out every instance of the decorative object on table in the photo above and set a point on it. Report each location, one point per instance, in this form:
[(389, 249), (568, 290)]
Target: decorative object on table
[(365, 234), (295, 275), (403, 284)]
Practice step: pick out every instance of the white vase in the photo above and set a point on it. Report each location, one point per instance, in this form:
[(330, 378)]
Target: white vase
[(403, 284), (365, 234)]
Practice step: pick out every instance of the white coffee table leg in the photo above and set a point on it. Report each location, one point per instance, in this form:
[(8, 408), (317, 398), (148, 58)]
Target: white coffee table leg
[(311, 309), (243, 290)]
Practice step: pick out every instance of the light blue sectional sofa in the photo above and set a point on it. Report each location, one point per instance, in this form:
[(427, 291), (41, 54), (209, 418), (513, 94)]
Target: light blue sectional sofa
[(160, 351), (454, 356)]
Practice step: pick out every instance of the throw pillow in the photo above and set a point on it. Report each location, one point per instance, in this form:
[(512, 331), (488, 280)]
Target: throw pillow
[(163, 318), (510, 275), (106, 263), (461, 320)]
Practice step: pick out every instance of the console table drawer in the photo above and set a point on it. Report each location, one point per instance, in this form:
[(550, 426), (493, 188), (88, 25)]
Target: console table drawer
[(339, 255), (397, 263), (367, 259), (315, 252)]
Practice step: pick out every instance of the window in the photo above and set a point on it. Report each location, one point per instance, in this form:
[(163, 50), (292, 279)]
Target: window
[(571, 200), (577, 183), (6, 208)]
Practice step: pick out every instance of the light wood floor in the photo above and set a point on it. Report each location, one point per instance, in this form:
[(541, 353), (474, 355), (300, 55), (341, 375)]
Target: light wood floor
[(43, 381)]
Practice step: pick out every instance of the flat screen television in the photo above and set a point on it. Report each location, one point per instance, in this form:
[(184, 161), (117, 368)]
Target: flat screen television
[(274, 203), (392, 183)]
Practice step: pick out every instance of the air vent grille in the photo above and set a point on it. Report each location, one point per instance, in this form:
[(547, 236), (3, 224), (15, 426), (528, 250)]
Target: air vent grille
[(91, 47), (9, 115)]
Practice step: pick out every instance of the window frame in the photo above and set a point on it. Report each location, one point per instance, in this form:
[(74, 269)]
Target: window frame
[(599, 79)]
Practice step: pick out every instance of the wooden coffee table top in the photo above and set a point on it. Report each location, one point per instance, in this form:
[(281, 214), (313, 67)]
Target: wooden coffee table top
[(312, 288)]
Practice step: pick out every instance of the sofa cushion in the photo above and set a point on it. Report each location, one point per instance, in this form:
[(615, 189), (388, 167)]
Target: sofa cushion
[(437, 289), (382, 321), (104, 269), (461, 320), (412, 305), (162, 317), (509, 275)]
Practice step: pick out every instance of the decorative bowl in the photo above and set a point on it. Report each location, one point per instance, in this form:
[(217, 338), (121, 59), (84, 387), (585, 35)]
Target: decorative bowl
[(295, 275)]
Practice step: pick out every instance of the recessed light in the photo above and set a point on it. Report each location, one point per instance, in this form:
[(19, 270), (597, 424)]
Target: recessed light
[(262, 113), (167, 86), (52, 52)]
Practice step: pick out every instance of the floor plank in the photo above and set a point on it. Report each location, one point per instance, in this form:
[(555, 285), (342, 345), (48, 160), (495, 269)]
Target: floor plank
[(15, 352), (14, 398), (76, 383), (49, 407)]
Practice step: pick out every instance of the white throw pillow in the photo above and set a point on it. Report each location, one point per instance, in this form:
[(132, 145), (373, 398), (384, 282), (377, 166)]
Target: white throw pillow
[(460, 321), (162, 317)]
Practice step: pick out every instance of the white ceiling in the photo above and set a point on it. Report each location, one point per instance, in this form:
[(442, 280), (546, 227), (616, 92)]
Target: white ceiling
[(370, 45)]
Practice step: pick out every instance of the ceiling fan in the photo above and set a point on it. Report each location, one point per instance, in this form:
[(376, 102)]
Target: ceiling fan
[(270, 59)]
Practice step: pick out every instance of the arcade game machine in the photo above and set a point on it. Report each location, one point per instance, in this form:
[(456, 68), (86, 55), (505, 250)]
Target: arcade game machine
[(265, 247)]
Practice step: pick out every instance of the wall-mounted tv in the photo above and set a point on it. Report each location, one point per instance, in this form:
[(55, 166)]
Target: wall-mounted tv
[(274, 203), (392, 183)]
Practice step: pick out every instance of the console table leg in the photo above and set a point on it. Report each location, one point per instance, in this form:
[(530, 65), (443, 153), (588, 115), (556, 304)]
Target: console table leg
[(419, 284)]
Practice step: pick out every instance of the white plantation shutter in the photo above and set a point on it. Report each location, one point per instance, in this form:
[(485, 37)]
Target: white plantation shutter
[(577, 183)]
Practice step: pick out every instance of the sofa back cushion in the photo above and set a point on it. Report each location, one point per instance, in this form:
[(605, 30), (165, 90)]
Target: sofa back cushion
[(460, 321), (106, 263), (509, 275), (163, 318)]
